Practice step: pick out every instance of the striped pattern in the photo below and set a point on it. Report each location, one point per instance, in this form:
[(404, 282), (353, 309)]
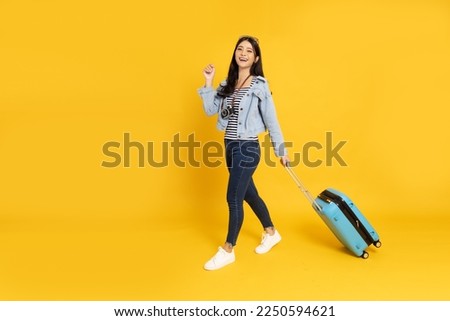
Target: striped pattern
[(231, 130)]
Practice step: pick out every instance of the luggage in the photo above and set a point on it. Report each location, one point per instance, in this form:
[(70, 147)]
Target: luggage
[(343, 218)]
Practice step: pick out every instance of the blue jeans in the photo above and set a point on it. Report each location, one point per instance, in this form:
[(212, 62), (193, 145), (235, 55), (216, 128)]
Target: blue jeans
[(242, 157)]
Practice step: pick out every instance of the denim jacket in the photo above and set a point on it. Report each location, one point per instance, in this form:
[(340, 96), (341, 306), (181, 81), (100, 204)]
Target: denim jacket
[(257, 113)]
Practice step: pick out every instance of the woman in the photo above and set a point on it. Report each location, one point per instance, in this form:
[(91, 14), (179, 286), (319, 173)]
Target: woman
[(245, 107)]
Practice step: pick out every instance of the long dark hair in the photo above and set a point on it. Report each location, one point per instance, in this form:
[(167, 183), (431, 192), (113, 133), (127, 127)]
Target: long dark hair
[(233, 71)]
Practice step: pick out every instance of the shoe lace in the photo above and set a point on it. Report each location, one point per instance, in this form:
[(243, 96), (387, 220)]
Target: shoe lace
[(220, 254), (264, 237)]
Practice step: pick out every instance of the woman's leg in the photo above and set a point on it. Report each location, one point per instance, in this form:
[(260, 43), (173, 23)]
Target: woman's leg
[(258, 206), (270, 236), (242, 160)]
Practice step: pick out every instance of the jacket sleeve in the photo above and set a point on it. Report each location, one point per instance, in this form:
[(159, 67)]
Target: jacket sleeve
[(270, 119), (211, 100)]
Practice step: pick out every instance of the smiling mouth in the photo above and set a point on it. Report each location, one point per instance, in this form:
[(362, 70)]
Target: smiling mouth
[(243, 59)]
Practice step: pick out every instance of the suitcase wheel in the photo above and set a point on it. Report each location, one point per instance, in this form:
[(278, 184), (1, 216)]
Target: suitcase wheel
[(377, 244), (365, 255)]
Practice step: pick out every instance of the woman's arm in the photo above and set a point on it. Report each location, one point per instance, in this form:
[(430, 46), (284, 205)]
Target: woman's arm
[(270, 118), (211, 101)]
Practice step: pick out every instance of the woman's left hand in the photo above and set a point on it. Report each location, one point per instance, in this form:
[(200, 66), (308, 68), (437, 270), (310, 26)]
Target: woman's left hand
[(284, 160)]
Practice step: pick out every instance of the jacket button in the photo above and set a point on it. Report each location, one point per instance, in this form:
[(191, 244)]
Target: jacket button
[(241, 108)]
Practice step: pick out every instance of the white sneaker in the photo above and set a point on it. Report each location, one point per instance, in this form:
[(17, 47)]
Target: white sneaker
[(219, 260), (267, 242)]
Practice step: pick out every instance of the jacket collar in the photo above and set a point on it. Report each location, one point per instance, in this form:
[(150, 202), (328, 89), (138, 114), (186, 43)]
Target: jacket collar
[(224, 82)]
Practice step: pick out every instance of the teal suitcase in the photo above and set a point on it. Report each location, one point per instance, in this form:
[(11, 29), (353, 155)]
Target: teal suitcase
[(343, 218)]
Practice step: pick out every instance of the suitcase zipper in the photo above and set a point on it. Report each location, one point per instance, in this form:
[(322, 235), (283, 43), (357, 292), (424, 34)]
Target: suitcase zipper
[(329, 197)]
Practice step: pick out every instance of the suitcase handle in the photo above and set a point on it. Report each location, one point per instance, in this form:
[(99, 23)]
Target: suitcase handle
[(302, 187)]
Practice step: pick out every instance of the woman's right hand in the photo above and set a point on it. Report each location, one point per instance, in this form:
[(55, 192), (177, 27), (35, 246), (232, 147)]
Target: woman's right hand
[(208, 72)]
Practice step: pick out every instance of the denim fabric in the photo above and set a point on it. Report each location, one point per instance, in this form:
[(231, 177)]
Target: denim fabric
[(257, 113), (242, 159)]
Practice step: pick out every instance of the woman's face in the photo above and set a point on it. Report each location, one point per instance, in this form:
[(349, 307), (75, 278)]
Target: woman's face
[(245, 55)]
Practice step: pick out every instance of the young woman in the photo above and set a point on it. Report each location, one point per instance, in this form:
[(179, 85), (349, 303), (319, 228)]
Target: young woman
[(245, 109)]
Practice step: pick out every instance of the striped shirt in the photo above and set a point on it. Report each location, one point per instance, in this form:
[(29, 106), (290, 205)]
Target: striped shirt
[(231, 130)]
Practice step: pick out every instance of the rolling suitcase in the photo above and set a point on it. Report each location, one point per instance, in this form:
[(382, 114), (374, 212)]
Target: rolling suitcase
[(343, 218)]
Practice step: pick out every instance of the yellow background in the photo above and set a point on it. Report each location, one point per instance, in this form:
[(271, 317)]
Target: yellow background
[(77, 74)]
